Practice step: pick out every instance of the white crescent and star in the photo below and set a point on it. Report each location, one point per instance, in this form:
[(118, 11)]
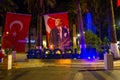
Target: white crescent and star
[(16, 22)]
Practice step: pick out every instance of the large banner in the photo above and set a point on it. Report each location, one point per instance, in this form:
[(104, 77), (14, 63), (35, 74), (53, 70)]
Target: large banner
[(15, 31), (57, 30)]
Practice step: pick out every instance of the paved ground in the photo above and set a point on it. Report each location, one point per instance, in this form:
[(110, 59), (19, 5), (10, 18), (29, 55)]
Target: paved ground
[(59, 70), (58, 73), (22, 62)]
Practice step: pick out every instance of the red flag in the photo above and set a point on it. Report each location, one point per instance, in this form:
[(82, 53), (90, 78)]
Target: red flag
[(118, 3), (15, 31)]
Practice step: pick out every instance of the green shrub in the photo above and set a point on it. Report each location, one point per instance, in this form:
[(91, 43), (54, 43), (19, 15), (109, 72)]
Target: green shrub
[(92, 40)]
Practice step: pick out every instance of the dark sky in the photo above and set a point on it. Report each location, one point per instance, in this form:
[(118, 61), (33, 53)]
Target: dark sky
[(22, 7)]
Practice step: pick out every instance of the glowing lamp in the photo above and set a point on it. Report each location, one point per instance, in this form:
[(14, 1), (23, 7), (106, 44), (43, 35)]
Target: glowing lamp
[(7, 32), (89, 58), (93, 57)]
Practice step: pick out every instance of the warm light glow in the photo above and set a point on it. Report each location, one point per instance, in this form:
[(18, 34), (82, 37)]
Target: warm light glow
[(44, 43), (7, 32), (114, 25), (51, 47), (78, 35), (47, 52), (64, 61), (58, 52), (3, 51)]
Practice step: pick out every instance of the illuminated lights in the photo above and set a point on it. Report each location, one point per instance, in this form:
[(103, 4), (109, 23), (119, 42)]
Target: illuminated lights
[(89, 22), (89, 58), (27, 41), (44, 43), (93, 57), (90, 54), (58, 52), (47, 52), (114, 25), (7, 32), (78, 35), (51, 47)]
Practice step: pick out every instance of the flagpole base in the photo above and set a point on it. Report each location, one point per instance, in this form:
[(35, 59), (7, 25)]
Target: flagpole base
[(7, 62), (115, 50)]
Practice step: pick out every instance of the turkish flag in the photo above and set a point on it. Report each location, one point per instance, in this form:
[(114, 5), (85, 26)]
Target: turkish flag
[(15, 31), (118, 3)]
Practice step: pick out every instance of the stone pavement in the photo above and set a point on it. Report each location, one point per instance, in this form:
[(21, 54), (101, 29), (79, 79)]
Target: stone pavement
[(58, 73), (62, 69), (22, 62)]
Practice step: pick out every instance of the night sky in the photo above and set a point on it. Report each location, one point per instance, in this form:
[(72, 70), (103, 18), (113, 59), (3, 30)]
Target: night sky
[(22, 7)]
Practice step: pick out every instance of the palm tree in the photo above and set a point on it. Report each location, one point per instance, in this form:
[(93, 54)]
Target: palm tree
[(7, 6), (72, 8), (82, 38), (37, 9), (100, 17), (111, 21), (45, 4)]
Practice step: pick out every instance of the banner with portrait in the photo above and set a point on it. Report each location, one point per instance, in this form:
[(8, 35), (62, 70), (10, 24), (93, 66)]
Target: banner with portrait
[(57, 30)]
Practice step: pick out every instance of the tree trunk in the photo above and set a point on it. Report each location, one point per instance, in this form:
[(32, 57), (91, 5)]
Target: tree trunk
[(29, 40), (80, 23), (39, 31), (111, 21), (74, 36), (39, 25)]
